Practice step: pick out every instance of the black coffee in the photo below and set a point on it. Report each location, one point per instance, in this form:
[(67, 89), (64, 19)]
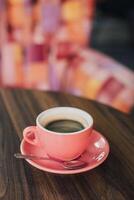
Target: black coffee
[(64, 126)]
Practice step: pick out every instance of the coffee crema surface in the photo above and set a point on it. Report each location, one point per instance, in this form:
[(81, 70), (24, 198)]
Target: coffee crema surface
[(64, 126)]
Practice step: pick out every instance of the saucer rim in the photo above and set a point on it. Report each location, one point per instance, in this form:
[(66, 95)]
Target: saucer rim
[(64, 171)]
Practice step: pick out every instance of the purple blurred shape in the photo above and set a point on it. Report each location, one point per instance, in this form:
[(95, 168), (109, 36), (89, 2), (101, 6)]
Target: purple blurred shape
[(50, 17), (2, 5)]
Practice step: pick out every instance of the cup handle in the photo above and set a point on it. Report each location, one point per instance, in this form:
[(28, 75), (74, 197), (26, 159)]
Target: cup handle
[(29, 135)]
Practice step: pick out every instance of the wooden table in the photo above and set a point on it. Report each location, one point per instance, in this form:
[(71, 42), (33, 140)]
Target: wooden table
[(113, 180)]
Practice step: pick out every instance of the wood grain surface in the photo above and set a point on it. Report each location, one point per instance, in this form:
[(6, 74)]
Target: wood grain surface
[(113, 180)]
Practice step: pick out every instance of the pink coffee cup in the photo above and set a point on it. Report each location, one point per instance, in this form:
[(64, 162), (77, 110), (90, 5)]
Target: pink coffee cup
[(56, 144)]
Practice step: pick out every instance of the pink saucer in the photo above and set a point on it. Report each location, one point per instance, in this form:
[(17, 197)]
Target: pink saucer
[(93, 156)]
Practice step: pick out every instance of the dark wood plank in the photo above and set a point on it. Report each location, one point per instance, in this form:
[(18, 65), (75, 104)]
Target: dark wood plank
[(113, 180)]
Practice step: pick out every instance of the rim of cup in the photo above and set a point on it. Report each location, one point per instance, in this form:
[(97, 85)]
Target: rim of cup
[(84, 114)]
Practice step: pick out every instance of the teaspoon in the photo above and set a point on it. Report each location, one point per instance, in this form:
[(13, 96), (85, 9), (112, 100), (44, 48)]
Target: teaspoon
[(70, 165)]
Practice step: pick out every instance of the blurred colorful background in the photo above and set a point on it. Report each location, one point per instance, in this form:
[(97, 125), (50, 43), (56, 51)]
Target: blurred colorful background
[(63, 45)]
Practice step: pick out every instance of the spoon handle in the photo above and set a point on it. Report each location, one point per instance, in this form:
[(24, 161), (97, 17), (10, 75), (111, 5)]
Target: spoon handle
[(22, 156)]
